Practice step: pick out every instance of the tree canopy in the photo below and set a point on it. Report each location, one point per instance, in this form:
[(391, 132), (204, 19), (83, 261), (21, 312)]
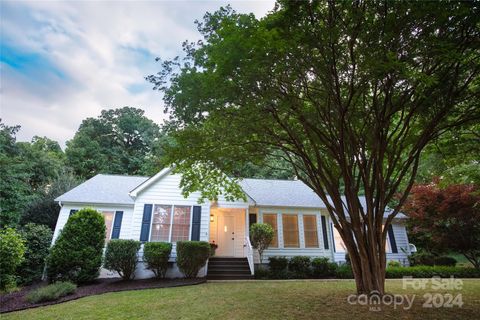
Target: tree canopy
[(119, 141), (349, 94)]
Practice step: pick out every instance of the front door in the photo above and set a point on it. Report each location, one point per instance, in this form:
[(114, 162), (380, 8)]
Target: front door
[(226, 235)]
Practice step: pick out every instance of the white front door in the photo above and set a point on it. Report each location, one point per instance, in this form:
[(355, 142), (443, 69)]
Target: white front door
[(226, 235)]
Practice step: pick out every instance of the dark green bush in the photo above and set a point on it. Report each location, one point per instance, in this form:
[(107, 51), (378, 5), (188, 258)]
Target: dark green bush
[(421, 258), (51, 292), (37, 238), (323, 268), (156, 255), (262, 274), (121, 256), (192, 256), (299, 266), (445, 261), (344, 271), (277, 264), (77, 253), (429, 271), (12, 250)]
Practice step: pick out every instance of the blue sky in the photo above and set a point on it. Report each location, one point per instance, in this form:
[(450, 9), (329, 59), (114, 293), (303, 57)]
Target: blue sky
[(64, 61)]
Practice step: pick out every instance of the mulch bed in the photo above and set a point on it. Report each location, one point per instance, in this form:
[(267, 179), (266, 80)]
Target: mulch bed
[(16, 300)]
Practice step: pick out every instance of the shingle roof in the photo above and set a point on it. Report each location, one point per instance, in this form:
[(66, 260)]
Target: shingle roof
[(286, 193), (103, 188)]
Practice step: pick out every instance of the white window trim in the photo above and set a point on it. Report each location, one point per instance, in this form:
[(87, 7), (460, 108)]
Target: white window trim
[(170, 230)]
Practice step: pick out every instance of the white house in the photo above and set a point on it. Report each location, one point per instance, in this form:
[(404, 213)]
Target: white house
[(153, 209)]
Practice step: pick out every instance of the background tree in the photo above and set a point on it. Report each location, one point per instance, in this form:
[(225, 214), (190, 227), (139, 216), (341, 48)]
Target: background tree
[(445, 219), (348, 93), (44, 210), (118, 141), (15, 190)]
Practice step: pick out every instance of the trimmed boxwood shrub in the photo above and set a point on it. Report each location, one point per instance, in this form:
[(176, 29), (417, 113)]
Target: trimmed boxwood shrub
[(445, 261), (38, 238), (277, 268), (12, 250), (323, 268), (422, 259), (121, 256), (344, 271), (429, 271), (192, 256), (77, 253), (51, 292), (299, 266), (156, 255)]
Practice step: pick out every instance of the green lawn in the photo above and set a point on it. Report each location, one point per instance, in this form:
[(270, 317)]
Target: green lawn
[(250, 300)]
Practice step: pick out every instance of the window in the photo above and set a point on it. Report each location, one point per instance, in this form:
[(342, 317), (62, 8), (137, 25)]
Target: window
[(252, 218), (161, 223), (108, 216), (339, 245), (181, 223), (271, 219), (168, 227), (290, 231), (310, 231)]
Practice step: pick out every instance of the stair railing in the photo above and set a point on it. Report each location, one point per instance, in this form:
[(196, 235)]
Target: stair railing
[(249, 248)]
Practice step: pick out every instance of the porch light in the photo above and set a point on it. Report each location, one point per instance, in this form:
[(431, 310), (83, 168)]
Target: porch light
[(211, 218)]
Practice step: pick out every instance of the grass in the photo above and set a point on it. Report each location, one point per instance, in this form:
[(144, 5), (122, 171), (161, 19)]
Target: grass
[(251, 300)]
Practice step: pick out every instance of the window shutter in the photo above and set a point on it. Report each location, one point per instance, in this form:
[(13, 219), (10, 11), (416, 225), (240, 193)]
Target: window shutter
[(252, 218), (324, 231), (197, 212), (391, 236), (72, 212), (147, 217), (117, 224)]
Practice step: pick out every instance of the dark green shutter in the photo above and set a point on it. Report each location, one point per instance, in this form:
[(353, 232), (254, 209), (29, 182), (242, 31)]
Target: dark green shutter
[(117, 224), (252, 218), (391, 236), (147, 218), (196, 218), (324, 231), (333, 238), (72, 212)]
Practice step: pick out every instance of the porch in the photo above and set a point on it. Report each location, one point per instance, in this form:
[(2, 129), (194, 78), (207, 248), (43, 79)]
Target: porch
[(229, 230)]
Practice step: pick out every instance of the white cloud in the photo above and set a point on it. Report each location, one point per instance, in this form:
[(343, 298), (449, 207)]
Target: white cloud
[(82, 57)]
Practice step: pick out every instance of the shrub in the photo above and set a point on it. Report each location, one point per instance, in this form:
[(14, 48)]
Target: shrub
[(37, 239), (156, 255), (12, 250), (344, 271), (51, 292), (77, 253), (393, 264), (262, 274), (121, 256), (445, 261), (430, 271), (261, 235), (277, 264), (278, 268), (299, 266), (192, 256), (323, 268), (421, 258)]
